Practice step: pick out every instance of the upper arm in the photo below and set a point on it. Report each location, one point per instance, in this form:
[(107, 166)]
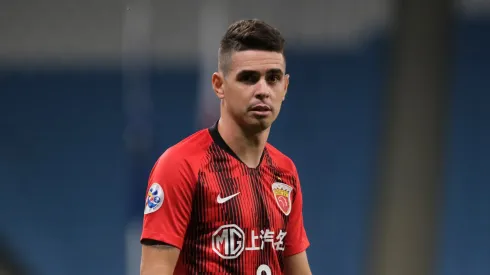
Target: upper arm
[(168, 207), (297, 264), (296, 240)]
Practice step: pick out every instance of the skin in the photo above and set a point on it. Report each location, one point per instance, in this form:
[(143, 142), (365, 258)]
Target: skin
[(253, 78), (158, 259)]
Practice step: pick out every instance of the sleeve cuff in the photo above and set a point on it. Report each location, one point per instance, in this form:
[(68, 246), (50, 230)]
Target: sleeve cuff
[(170, 239), (290, 251)]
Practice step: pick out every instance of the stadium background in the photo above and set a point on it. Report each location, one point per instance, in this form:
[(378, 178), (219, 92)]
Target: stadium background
[(91, 92)]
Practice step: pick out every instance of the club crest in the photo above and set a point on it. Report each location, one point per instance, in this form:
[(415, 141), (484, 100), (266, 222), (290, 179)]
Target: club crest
[(282, 194)]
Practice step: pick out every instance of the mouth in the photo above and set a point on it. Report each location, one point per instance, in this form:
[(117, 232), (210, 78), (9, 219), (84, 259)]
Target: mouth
[(261, 108)]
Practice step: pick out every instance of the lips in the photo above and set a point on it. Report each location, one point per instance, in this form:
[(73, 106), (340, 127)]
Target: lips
[(261, 108)]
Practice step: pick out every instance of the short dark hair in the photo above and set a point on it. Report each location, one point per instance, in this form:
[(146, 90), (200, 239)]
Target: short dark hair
[(251, 34)]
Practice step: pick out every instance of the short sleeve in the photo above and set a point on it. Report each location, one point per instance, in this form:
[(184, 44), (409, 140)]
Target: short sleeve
[(296, 240), (168, 203)]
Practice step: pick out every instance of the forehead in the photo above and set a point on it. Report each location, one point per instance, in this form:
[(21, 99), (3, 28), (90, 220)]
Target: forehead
[(261, 61)]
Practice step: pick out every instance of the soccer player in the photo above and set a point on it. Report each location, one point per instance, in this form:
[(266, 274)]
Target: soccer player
[(223, 200)]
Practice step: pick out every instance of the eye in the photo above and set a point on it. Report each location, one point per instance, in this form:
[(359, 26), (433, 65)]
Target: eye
[(274, 78), (249, 78)]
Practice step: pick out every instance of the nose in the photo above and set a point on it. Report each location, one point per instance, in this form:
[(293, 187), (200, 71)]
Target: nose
[(262, 90)]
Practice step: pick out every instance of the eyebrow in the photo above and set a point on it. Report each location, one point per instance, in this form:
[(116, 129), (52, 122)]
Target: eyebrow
[(275, 71), (270, 71)]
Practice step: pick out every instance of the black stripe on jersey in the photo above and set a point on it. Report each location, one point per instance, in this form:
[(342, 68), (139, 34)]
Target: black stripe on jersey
[(260, 208), (228, 186), (194, 255), (264, 222), (216, 163), (277, 174), (255, 208), (201, 227)]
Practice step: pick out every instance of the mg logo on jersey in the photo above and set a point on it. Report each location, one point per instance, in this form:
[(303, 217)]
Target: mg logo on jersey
[(229, 241), (282, 193)]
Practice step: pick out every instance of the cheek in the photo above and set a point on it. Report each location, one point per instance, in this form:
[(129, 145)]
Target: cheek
[(277, 106), (278, 100), (237, 100), (279, 95), (241, 96)]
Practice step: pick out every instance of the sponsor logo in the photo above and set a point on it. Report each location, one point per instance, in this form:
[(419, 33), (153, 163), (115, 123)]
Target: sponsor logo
[(221, 200), (229, 241)]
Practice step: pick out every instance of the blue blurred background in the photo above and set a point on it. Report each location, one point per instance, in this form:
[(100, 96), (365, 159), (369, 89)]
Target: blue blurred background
[(92, 92)]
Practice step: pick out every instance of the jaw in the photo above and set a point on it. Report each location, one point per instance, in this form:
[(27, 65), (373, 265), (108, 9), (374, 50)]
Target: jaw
[(248, 121), (257, 124)]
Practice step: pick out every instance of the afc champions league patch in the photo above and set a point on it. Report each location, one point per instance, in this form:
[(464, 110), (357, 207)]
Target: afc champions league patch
[(154, 198), (282, 194)]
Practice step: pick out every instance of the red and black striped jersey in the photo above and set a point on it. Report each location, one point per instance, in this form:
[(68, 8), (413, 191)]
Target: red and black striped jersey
[(225, 217)]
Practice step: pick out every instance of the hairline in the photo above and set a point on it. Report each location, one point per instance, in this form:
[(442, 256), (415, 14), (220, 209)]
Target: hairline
[(227, 56)]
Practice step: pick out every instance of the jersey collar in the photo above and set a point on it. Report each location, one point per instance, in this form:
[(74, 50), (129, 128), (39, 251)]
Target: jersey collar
[(216, 136)]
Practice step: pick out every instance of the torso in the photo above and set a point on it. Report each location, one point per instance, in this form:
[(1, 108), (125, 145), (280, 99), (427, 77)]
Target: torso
[(238, 223)]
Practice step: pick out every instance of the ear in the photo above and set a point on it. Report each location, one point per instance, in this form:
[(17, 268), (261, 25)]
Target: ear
[(218, 81), (286, 85)]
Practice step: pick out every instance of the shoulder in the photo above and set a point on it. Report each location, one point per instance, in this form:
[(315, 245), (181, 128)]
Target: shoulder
[(185, 155), (285, 169), (281, 160)]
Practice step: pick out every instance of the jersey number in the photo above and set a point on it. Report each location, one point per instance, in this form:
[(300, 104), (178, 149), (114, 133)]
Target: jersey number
[(264, 270)]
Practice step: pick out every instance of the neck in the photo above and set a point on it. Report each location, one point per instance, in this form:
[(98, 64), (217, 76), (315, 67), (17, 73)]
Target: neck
[(249, 147)]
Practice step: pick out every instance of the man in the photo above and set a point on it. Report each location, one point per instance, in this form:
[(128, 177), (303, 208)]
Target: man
[(224, 201)]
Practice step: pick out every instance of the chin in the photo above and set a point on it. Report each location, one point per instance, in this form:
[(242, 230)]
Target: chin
[(258, 123)]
